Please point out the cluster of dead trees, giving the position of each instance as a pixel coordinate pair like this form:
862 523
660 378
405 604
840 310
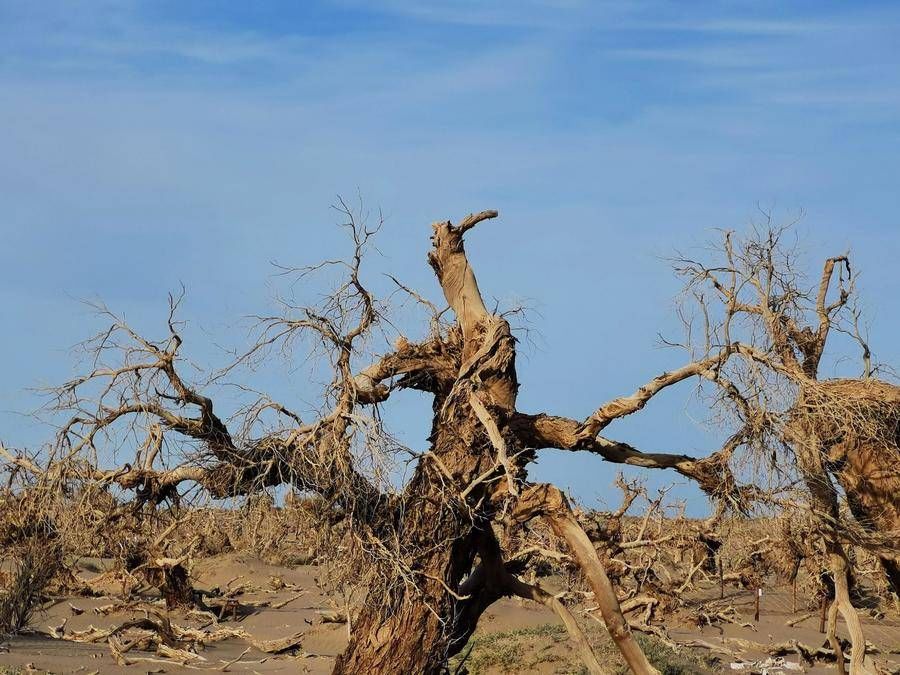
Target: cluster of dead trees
436 552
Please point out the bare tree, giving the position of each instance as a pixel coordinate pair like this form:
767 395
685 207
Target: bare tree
434 553
752 301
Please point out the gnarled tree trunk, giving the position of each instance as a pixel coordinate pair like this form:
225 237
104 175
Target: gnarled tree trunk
413 620
408 624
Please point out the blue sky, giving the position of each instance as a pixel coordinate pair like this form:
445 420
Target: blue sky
146 144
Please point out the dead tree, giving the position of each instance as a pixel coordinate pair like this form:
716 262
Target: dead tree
432 552
752 301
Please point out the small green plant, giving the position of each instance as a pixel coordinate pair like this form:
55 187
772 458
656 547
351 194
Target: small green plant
509 651
525 649
668 661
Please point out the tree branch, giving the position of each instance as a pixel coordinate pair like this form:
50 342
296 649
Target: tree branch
712 473
626 405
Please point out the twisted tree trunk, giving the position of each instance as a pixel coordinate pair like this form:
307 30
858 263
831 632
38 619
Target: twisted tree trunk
414 619
408 625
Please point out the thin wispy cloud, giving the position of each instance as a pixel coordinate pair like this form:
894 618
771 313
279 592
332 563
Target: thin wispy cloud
745 26
502 13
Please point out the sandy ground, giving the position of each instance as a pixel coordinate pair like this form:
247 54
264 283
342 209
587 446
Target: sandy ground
277 602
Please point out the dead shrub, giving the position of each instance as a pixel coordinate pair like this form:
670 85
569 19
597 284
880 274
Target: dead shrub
35 566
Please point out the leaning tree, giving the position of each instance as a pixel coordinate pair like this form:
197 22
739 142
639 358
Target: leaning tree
434 553
835 435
